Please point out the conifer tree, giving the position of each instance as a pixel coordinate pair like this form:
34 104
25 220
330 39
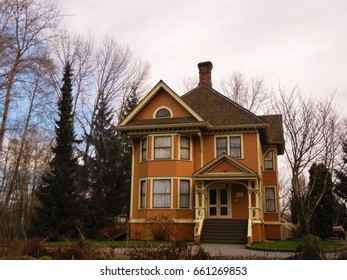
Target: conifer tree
105 190
59 211
341 186
321 186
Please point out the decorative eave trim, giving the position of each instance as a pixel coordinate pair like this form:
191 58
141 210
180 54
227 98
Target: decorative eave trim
231 176
147 129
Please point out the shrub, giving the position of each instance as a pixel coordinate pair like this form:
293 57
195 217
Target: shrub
178 251
308 249
161 227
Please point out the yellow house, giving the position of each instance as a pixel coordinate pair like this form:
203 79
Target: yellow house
207 163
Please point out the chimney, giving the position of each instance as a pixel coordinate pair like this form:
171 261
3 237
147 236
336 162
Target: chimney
205 69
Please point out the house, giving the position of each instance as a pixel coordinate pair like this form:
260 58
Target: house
206 162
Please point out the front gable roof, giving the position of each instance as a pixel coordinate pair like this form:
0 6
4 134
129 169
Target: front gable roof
224 166
161 89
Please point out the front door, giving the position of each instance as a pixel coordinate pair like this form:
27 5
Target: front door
218 203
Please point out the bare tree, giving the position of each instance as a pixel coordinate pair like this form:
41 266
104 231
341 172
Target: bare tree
251 94
26 26
190 83
311 135
116 74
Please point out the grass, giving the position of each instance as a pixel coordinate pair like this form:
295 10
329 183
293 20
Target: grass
115 244
291 244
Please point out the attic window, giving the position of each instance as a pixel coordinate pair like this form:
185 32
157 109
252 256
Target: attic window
163 113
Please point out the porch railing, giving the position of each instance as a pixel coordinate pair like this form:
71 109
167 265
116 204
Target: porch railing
199 223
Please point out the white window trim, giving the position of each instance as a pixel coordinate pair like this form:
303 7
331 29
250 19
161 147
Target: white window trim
152 193
179 194
228 136
190 148
172 146
140 185
141 158
273 160
162 107
275 199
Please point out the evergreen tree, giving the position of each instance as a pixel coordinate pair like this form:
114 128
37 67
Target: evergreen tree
126 148
321 186
105 191
59 211
341 186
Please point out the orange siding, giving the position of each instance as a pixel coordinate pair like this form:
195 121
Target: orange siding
224 167
239 204
250 158
273 231
160 100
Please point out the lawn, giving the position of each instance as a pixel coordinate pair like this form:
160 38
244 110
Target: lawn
290 245
115 244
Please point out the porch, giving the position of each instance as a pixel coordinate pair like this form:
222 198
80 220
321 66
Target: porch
226 210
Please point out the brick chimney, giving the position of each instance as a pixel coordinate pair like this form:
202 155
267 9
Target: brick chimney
205 69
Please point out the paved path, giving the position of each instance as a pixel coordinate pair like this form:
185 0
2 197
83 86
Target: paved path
237 250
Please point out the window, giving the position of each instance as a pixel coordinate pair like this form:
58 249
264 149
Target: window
161 193
235 146
184 193
163 113
231 147
144 149
268 161
185 148
270 199
143 194
222 145
162 147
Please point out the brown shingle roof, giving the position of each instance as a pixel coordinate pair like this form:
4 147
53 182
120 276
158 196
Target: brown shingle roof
217 109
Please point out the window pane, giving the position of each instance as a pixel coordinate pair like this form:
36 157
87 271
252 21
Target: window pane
221 145
185 148
213 196
235 146
223 196
163 113
144 149
270 199
184 194
162 147
213 211
143 194
224 211
161 193
268 161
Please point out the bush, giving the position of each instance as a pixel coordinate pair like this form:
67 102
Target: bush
161 227
308 249
178 251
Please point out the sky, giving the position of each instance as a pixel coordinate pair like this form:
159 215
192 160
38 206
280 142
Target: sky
289 43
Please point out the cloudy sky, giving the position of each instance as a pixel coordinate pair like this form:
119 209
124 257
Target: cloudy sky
297 42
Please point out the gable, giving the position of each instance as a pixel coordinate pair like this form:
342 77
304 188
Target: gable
224 166
161 96
165 100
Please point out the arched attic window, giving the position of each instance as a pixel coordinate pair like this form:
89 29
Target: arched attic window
163 113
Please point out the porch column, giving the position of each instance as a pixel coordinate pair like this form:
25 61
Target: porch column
200 201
